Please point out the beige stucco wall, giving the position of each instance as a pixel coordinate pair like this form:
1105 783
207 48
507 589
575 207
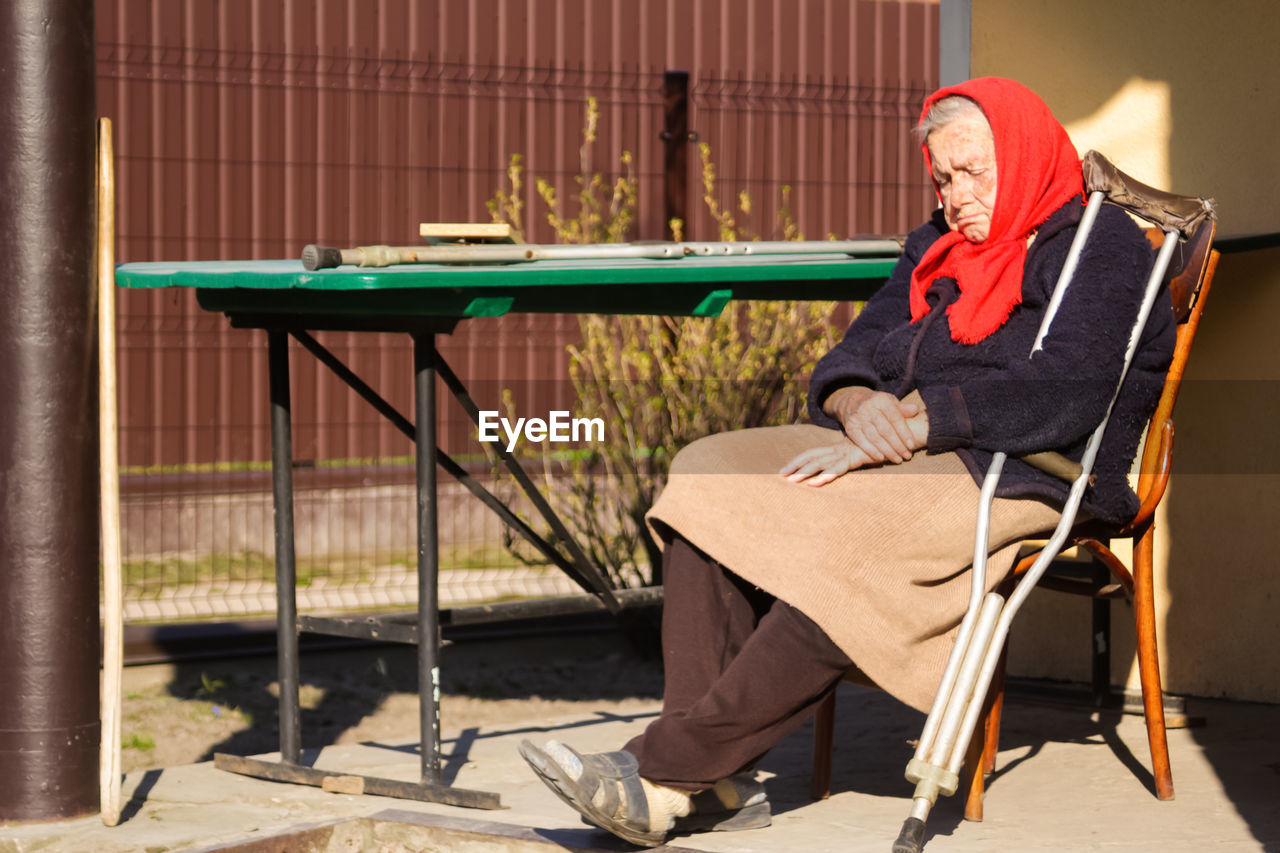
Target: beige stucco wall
1183 95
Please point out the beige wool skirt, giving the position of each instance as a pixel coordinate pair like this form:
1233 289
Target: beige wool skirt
879 558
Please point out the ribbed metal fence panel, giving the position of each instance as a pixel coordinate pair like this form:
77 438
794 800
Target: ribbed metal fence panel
248 128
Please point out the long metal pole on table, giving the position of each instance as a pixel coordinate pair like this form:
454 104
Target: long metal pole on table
424 378
286 567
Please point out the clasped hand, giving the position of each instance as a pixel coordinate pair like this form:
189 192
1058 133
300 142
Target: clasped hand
878 428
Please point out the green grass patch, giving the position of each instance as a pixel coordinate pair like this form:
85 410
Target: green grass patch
150 578
526 455
249 465
142 743
478 557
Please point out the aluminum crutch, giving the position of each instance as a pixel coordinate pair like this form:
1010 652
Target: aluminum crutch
940 753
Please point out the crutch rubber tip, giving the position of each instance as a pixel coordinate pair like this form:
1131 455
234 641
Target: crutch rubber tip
911 839
321 257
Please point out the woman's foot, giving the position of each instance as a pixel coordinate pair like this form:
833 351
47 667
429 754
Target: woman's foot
606 789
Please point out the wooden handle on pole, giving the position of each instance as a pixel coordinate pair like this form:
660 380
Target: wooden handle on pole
112 582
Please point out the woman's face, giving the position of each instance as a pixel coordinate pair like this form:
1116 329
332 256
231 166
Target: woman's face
964 166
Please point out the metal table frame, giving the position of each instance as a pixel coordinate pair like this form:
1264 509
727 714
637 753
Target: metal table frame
423 303
427 365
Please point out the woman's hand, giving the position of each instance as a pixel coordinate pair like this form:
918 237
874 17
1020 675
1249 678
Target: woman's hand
883 427
821 465
878 428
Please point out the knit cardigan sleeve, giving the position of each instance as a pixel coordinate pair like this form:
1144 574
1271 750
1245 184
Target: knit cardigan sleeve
850 361
1055 398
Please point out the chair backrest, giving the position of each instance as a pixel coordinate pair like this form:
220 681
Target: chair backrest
1186 273
1189 277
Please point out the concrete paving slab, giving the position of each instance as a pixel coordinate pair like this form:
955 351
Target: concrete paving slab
1066 780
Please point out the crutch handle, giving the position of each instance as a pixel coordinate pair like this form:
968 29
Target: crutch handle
1182 213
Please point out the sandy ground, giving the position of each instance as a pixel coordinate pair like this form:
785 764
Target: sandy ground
183 713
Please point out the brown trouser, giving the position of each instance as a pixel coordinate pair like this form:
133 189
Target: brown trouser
743 670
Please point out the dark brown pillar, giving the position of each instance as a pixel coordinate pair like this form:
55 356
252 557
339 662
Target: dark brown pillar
48 413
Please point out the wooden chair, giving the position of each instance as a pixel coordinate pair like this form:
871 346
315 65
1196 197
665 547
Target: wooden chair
1189 279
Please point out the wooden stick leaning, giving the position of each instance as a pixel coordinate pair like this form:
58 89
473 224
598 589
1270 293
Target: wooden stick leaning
112 583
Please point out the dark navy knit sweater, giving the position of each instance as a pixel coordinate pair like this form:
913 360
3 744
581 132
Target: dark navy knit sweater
990 395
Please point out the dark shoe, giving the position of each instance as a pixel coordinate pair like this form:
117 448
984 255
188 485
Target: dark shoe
603 787
734 804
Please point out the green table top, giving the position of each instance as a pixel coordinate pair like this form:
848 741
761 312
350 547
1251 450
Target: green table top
697 286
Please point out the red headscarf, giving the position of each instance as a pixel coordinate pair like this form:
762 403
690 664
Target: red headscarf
1037 171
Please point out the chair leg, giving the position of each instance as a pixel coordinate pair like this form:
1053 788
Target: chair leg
995 695
824 721
1100 641
1149 661
980 760
973 762
993 714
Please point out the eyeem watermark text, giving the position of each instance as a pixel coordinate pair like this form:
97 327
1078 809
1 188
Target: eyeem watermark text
557 427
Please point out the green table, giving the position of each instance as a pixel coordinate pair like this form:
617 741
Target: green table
422 300
350 297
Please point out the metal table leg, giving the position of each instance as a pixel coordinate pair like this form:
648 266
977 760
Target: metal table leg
424 386
286 568
431 788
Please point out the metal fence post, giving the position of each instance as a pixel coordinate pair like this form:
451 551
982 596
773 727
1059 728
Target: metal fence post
675 160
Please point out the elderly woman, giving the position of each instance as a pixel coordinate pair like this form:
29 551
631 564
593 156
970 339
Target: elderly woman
795 553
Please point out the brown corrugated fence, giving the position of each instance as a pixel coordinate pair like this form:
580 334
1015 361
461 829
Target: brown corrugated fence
248 128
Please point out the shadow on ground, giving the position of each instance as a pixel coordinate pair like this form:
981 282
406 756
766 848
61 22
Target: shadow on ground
875 737
341 689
